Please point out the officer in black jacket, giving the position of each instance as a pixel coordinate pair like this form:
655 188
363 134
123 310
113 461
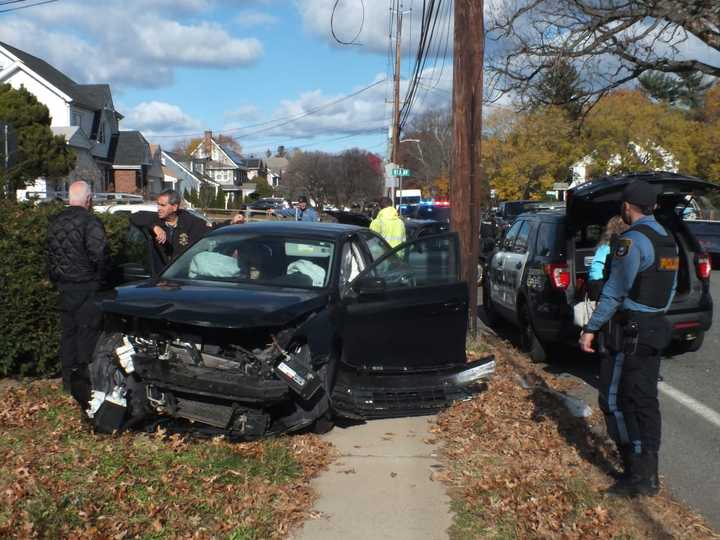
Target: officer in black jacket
174 229
77 261
631 314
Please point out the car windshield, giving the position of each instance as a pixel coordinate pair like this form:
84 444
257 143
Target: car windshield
438 213
252 258
516 208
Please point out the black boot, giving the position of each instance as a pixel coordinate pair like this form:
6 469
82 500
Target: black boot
643 480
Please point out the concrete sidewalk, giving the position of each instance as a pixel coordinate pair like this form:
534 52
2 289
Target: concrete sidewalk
381 486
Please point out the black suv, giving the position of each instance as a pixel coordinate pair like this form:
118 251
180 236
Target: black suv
538 269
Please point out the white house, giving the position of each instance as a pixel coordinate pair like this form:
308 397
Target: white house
83 113
276 168
107 158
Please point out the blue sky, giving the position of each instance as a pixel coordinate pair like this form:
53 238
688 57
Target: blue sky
178 67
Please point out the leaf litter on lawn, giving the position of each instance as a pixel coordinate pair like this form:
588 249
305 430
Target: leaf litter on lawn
58 480
519 465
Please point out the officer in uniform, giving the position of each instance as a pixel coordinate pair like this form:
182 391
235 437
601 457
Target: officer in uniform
631 314
174 229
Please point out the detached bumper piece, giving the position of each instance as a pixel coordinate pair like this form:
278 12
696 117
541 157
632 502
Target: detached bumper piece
383 396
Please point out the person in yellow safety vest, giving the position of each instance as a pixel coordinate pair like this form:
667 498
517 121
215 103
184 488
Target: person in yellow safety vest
388 224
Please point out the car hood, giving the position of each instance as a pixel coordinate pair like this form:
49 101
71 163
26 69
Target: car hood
212 306
598 200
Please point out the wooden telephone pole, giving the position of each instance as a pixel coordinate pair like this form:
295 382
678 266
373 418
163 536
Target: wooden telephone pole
394 156
466 189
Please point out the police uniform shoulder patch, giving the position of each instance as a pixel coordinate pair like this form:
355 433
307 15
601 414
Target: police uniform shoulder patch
184 239
622 247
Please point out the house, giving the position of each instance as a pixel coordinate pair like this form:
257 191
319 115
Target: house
276 168
178 174
220 163
649 154
134 166
107 158
255 167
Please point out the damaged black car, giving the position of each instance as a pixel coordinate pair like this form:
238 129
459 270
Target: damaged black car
267 328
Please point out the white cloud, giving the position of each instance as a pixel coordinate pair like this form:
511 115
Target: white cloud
374 36
157 118
315 113
135 43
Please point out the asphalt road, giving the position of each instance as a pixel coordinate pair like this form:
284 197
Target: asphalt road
690 405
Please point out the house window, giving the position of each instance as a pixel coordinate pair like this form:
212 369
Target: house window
76 119
101 134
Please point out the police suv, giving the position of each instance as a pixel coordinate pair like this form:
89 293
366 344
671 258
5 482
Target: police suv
538 270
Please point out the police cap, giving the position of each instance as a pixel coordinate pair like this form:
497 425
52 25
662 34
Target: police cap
640 193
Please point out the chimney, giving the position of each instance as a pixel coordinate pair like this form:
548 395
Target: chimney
208 143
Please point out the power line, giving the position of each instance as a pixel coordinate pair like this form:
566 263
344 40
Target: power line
353 41
278 122
17 8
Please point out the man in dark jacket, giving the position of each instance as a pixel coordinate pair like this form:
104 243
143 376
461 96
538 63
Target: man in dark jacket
77 260
174 229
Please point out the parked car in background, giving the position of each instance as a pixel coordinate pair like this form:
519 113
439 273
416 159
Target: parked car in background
435 212
270 327
268 203
539 269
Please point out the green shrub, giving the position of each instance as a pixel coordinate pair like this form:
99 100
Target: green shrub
29 317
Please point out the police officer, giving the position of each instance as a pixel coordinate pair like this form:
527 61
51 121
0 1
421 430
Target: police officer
631 313
388 224
78 261
174 229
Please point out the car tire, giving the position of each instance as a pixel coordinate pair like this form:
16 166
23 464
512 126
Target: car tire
529 342
693 345
105 374
324 424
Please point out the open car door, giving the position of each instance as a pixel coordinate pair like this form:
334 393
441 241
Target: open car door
408 310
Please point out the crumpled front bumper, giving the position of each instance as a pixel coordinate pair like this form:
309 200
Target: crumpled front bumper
366 396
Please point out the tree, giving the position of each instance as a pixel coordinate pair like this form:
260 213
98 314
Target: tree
523 160
310 174
262 187
431 154
560 85
39 152
281 152
610 42
686 90
355 178
660 87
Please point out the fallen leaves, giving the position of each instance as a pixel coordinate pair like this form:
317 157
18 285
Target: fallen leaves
519 465
59 480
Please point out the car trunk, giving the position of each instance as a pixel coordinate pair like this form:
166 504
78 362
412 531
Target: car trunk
591 205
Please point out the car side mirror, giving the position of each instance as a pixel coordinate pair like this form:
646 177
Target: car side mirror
369 286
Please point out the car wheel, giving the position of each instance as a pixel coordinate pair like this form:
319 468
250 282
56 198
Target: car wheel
529 342
128 403
692 345
324 424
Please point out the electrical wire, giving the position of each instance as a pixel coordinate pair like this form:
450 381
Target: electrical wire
17 8
353 41
279 122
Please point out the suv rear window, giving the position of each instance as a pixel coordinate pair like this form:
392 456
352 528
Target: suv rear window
550 240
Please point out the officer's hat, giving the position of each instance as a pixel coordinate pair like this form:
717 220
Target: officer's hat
640 193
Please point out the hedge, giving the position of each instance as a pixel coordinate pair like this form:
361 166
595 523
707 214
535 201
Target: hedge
29 316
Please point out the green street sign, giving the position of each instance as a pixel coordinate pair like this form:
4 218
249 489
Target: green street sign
401 172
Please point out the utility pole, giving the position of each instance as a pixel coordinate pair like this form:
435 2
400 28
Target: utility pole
466 189
395 137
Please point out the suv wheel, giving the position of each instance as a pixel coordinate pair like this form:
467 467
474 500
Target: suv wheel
529 342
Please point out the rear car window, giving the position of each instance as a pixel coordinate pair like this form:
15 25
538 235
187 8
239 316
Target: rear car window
521 242
550 240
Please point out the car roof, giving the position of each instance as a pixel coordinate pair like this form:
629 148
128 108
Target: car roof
329 231
544 215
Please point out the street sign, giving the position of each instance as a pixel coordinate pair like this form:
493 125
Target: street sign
401 172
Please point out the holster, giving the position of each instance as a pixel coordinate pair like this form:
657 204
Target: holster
628 329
